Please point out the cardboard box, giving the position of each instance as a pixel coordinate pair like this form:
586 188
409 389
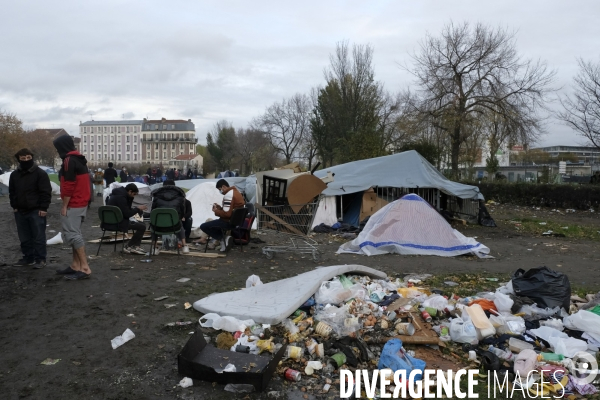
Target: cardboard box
370 204
198 360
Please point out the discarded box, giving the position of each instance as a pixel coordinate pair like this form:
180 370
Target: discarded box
197 360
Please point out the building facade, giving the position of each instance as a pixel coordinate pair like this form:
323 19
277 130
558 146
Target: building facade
163 140
111 141
586 155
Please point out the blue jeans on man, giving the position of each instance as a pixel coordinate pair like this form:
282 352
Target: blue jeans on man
213 228
32 235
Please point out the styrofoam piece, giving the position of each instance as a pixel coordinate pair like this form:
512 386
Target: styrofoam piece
272 302
55 240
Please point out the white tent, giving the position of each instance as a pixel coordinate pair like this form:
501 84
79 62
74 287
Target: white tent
143 198
411 226
4 180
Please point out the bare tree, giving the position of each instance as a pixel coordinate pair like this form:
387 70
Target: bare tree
11 138
468 71
222 145
286 124
250 143
582 109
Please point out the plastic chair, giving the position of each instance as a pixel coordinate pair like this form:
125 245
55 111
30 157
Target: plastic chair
235 222
163 221
241 235
110 218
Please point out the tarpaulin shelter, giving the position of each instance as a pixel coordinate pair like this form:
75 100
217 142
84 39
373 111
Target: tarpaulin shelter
411 226
365 186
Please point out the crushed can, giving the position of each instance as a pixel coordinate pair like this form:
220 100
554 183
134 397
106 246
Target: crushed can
426 317
292 375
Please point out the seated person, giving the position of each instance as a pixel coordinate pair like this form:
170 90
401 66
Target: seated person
122 197
232 199
170 196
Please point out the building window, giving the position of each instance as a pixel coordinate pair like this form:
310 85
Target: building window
181 147
127 157
127 138
112 149
173 126
164 155
84 139
172 154
135 157
111 129
173 145
127 129
164 146
105 148
106 157
156 154
119 157
119 148
84 148
135 147
127 148
92 157
155 126
91 147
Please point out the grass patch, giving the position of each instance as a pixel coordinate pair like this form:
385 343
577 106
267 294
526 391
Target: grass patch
54 178
531 225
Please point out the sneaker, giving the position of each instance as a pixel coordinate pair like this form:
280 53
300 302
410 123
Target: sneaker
127 250
156 251
226 244
23 262
135 250
185 249
39 264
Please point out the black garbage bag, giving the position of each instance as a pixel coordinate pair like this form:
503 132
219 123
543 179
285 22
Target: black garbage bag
484 218
546 287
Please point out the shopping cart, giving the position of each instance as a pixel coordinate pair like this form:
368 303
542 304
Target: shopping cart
293 220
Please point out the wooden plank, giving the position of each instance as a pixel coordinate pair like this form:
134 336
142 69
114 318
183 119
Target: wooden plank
194 254
276 218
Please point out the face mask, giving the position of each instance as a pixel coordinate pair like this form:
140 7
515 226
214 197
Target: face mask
25 165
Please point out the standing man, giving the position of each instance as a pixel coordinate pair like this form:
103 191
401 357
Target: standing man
99 182
30 193
75 195
110 174
122 197
124 175
232 199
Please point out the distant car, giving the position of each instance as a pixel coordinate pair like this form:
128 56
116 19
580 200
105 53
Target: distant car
48 170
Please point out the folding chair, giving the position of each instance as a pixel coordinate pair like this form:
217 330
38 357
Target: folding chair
110 218
241 234
163 221
235 222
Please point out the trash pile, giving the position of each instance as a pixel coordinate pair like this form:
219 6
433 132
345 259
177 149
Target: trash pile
530 328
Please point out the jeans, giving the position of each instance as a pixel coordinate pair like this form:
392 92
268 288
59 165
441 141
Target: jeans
139 228
213 228
32 234
187 227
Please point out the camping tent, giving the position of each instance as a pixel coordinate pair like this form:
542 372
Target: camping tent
143 197
411 226
407 170
4 179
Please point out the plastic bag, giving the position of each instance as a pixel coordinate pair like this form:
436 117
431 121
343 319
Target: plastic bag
546 287
342 322
508 324
253 280
506 289
210 319
463 331
333 292
231 324
584 321
540 312
436 301
568 347
394 357
503 302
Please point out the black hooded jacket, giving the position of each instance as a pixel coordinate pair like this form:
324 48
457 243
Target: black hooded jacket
29 189
169 197
121 199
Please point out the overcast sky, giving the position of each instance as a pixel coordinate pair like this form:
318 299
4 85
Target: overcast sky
64 60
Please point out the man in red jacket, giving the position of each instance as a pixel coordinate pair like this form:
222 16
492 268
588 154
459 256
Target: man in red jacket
76 195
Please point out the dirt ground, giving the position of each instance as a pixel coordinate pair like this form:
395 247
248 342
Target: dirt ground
45 316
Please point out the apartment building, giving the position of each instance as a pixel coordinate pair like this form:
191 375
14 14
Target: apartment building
164 139
111 141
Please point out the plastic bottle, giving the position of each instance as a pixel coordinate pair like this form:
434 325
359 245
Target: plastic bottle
516 345
550 357
505 355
